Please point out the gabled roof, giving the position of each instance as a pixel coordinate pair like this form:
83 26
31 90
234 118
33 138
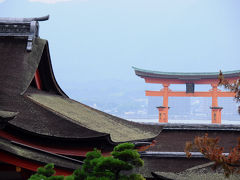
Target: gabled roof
184 76
120 130
49 112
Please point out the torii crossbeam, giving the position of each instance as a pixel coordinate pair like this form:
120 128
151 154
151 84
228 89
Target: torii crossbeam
190 79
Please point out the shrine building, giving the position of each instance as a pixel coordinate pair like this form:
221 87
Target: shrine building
39 123
190 79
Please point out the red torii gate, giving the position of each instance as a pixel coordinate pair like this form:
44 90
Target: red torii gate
190 79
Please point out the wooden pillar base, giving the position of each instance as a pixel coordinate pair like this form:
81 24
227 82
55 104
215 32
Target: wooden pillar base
216 115
163 114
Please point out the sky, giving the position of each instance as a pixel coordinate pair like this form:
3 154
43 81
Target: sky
98 40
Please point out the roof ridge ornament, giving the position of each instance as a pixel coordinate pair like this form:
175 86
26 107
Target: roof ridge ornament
21 27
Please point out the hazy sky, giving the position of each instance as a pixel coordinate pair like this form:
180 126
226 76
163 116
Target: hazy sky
103 39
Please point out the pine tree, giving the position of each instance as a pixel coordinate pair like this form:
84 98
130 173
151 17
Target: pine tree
97 167
124 158
46 173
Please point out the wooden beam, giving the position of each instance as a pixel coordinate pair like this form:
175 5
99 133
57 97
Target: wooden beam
226 94
184 94
38 80
184 81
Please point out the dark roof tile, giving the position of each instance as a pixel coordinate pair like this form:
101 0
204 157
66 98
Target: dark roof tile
50 112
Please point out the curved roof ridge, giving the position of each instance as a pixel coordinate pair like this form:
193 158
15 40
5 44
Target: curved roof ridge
119 130
185 73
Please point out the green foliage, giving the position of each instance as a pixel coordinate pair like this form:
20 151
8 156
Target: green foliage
128 154
124 158
137 177
97 178
97 167
71 177
46 170
123 146
37 177
56 178
46 173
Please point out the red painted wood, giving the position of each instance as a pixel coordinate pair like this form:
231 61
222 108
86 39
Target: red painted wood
178 81
38 80
27 164
80 151
184 94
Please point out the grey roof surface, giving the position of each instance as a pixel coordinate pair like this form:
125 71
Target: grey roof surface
49 112
200 172
201 175
120 130
37 155
184 75
7 114
35 119
203 127
17 65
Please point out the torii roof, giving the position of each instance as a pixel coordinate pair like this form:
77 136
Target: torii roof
184 75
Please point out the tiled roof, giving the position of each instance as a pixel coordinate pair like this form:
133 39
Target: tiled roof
120 130
50 112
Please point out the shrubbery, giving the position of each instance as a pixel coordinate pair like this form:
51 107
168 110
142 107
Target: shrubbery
97 167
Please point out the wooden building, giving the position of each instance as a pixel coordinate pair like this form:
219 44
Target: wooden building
39 123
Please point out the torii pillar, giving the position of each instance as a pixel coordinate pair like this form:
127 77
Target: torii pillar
216 110
163 110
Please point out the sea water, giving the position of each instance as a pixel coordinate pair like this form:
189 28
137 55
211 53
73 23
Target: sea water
185 121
